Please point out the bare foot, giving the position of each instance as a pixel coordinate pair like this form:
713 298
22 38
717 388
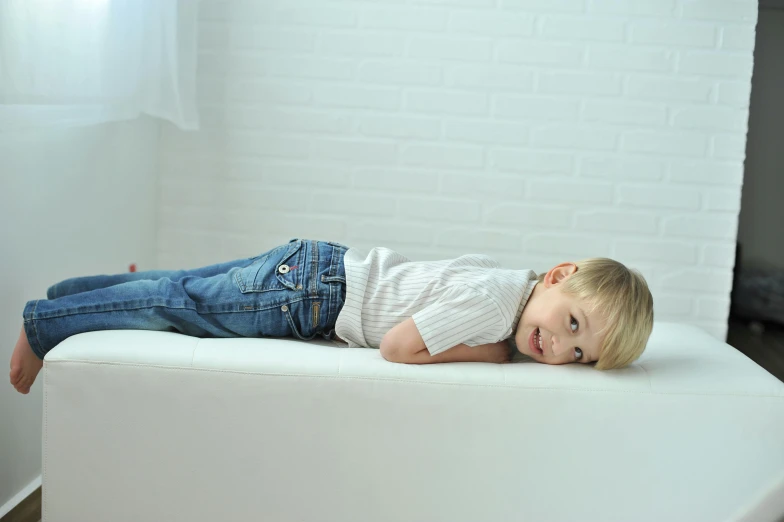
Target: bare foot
25 365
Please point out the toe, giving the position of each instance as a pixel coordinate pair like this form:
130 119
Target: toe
15 374
24 386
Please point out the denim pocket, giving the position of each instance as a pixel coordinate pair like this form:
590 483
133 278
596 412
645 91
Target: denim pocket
281 268
298 324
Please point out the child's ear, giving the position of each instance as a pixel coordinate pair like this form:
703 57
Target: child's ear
559 273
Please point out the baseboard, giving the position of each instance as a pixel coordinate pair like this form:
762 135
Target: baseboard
25 506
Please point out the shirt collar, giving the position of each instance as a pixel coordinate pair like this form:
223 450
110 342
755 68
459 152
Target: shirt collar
529 288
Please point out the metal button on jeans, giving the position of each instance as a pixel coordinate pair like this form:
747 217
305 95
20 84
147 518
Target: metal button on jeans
284 308
283 269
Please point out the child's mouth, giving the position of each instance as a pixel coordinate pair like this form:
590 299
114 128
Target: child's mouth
535 342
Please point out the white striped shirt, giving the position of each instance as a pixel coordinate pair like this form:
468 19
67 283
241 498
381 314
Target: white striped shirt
469 300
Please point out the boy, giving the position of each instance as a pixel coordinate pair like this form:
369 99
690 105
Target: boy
464 309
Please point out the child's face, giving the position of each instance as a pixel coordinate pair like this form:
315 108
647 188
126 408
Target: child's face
554 327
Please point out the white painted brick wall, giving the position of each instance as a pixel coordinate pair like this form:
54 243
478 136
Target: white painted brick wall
534 131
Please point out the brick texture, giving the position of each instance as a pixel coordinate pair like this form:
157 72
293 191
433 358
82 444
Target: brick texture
535 131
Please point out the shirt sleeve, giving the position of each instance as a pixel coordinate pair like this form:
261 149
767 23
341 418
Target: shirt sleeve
459 316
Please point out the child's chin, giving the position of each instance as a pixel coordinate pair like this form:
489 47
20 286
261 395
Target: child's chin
527 353
523 357
530 353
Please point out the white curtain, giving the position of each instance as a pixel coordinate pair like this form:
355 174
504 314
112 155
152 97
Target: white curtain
66 63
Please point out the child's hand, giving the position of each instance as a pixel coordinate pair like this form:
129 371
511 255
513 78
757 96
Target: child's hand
404 344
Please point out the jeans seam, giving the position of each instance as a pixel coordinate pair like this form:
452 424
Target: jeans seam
314 266
326 279
125 309
293 327
36 345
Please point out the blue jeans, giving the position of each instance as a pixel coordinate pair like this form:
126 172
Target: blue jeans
294 290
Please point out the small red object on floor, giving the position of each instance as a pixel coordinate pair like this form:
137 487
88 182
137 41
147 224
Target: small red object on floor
132 268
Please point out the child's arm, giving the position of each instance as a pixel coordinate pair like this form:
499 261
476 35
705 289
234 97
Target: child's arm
404 344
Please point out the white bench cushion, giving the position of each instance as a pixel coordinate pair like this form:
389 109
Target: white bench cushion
158 426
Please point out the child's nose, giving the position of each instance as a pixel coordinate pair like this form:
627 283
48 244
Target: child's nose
558 348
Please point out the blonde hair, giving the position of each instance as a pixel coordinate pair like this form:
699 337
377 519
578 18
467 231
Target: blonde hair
622 297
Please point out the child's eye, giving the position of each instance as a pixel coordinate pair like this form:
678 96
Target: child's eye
575 325
578 354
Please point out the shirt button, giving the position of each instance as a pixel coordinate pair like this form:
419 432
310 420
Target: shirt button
283 269
299 287
284 308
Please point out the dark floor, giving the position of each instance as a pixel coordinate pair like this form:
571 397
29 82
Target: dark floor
763 344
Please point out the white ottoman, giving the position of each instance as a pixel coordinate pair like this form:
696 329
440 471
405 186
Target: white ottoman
146 426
